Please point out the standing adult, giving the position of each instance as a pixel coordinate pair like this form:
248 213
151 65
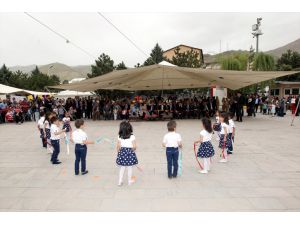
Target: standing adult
239 100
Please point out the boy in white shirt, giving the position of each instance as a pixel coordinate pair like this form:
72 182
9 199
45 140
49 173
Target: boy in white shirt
231 133
55 137
41 129
171 142
79 137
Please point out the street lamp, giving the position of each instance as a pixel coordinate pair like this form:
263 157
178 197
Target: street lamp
257 31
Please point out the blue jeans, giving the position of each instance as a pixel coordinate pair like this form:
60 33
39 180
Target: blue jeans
80 153
172 159
56 150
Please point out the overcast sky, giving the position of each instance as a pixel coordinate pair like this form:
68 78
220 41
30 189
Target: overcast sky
23 41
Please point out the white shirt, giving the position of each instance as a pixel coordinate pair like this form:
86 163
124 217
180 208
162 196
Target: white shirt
41 122
231 126
172 139
217 119
46 125
54 129
66 119
223 127
79 136
127 143
206 136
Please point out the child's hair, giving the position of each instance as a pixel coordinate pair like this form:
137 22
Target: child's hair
207 124
171 125
79 123
224 115
47 117
53 119
217 113
42 114
231 115
125 130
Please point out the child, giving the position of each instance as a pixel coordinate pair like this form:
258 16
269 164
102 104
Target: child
81 141
231 133
206 150
126 147
41 129
67 126
224 142
217 125
273 108
47 132
171 142
55 137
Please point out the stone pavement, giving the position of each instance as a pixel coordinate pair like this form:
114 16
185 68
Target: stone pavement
262 175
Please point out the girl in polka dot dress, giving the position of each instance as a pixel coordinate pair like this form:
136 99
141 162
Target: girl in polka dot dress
67 126
206 150
126 147
225 141
47 133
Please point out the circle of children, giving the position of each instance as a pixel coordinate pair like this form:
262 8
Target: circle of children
51 133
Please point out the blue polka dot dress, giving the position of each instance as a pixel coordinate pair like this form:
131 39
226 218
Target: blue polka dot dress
66 125
206 150
126 156
228 143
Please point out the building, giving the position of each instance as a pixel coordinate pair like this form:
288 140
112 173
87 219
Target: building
183 48
285 88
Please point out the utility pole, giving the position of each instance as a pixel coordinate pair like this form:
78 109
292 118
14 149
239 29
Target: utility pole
257 31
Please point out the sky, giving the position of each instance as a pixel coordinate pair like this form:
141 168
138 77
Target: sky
23 41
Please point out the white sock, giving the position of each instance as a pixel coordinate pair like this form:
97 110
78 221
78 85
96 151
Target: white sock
121 174
225 153
129 169
208 163
205 164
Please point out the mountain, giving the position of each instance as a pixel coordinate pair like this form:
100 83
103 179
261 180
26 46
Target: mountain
64 72
211 59
294 46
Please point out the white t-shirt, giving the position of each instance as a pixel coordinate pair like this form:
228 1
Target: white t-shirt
231 125
41 122
205 135
223 127
127 143
79 136
46 125
66 119
217 119
54 129
172 139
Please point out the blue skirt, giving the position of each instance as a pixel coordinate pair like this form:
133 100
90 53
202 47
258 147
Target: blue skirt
126 157
206 150
67 126
231 141
48 133
228 143
217 127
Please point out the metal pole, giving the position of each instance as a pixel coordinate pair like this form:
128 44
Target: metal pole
257 43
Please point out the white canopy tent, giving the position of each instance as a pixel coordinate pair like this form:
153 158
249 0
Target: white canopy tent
5 90
69 93
165 76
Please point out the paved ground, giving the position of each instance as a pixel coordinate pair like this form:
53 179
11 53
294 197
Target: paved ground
262 175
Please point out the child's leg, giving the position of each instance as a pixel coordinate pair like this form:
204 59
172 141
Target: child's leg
121 174
175 162
83 159
169 162
68 142
129 169
205 164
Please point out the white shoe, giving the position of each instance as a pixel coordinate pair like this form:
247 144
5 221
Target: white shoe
130 182
203 171
223 161
120 184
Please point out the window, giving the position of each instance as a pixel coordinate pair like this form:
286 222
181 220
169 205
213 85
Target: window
295 91
287 91
274 91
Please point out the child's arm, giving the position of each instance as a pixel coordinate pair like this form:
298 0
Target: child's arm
233 131
134 145
118 145
60 132
88 142
200 140
180 144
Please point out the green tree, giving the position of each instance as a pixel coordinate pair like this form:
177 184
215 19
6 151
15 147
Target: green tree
289 61
5 75
237 61
104 64
156 56
189 58
121 66
263 62
19 79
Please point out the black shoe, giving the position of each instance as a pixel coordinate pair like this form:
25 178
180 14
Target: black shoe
85 172
174 176
229 152
57 162
76 174
170 177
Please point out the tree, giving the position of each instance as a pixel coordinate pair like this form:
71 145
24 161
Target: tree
19 79
189 58
5 75
104 65
289 61
121 66
237 61
156 56
263 62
